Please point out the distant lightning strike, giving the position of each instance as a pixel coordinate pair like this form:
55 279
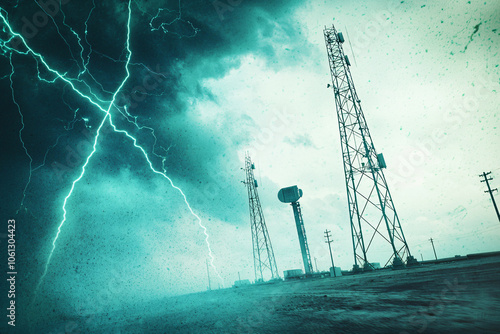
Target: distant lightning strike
165 26
175 187
59 32
20 131
31 169
107 117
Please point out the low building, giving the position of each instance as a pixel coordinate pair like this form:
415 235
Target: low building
293 274
338 272
241 283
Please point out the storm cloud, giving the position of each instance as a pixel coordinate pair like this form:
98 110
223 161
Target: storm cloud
208 81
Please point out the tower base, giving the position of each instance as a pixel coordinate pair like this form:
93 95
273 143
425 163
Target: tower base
411 261
368 267
397 263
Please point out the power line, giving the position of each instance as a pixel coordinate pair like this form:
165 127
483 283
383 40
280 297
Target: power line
352 51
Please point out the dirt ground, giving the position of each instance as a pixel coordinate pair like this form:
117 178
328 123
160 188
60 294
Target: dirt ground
456 297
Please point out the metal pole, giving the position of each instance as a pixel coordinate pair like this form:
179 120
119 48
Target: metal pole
432 242
328 241
316 263
490 191
301 231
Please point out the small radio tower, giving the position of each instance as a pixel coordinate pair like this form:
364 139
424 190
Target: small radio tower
263 255
369 200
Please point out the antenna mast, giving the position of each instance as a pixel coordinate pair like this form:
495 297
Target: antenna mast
263 254
369 200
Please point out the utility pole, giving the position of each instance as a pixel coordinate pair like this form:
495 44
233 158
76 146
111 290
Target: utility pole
328 241
486 179
239 278
316 263
432 242
422 257
208 275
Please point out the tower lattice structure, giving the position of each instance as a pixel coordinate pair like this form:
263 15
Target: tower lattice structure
371 209
263 254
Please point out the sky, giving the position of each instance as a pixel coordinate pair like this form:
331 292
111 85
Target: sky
207 81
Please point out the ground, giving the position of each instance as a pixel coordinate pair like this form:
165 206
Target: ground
454 297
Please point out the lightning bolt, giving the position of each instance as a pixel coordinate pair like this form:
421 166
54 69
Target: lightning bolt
20 132
157 22
93 99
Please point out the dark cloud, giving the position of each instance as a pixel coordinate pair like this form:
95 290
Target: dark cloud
119 195
153 97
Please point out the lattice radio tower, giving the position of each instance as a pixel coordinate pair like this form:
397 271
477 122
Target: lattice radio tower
369 200
263 255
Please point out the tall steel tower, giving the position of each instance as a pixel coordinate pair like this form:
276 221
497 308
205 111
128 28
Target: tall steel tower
369 200
263 255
